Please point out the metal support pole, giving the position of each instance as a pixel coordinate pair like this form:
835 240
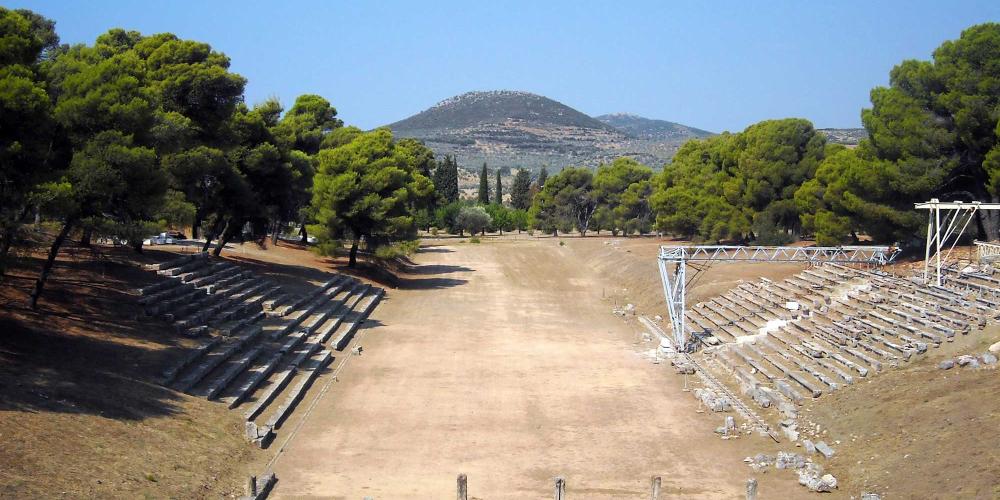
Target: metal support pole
937 241
927 249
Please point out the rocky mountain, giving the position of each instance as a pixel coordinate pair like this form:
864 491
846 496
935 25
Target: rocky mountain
509 129
646 128
846 136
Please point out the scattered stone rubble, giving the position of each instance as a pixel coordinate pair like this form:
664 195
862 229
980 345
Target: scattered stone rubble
987 359
626 310
712 400
810 474
682 367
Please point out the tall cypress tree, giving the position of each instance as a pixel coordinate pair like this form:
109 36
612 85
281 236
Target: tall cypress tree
446 180
484 186
453 181
498 199
542 177
520 191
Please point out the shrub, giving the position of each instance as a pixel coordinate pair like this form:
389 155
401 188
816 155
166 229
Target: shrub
396 250
474 239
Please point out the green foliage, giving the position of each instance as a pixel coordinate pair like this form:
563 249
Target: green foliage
397 250
365 190
446 180
499 192
176 211
566 201
444 216
543 175
932 133
520 191
520 220
484 186
474 239
305 126
724 187
27 130
501 218
622 191
472 219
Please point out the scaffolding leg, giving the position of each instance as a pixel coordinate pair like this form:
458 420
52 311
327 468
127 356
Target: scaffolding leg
672 274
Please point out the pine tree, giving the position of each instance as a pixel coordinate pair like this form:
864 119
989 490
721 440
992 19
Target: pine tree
484 186
520 193
498 199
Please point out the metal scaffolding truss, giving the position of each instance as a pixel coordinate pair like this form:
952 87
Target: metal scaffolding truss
673 268
957 216
851 254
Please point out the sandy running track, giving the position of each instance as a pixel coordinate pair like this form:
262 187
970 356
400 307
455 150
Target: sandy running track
501 361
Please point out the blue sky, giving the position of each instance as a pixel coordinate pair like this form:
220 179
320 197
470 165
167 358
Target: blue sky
713 65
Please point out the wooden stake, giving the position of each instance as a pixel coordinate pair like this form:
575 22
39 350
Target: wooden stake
463 487
560 488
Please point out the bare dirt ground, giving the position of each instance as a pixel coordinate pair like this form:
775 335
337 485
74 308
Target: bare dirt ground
502 361
81 414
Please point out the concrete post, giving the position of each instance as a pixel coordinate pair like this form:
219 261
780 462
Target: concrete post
463 487
751 489
656 488
560 488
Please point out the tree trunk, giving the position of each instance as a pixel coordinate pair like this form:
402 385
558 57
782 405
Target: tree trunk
49 262
196 226
8 239
274 235
210 235
991 221
223 238
352 261
88 233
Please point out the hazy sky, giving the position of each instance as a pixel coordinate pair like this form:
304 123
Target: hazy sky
713 65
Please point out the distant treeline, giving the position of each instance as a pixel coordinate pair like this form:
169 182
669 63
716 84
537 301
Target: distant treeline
932 133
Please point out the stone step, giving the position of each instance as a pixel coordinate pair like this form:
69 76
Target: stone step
202 271
309 297
171 373
225 271
359 317
280 381
184 268
176 262
213 359
232 370
241 276
309 371
255 377
166 293
318 301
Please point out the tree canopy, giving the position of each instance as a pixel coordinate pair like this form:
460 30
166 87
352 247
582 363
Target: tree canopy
363 191
933 132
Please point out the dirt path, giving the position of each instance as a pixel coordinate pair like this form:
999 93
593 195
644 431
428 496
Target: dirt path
501 361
